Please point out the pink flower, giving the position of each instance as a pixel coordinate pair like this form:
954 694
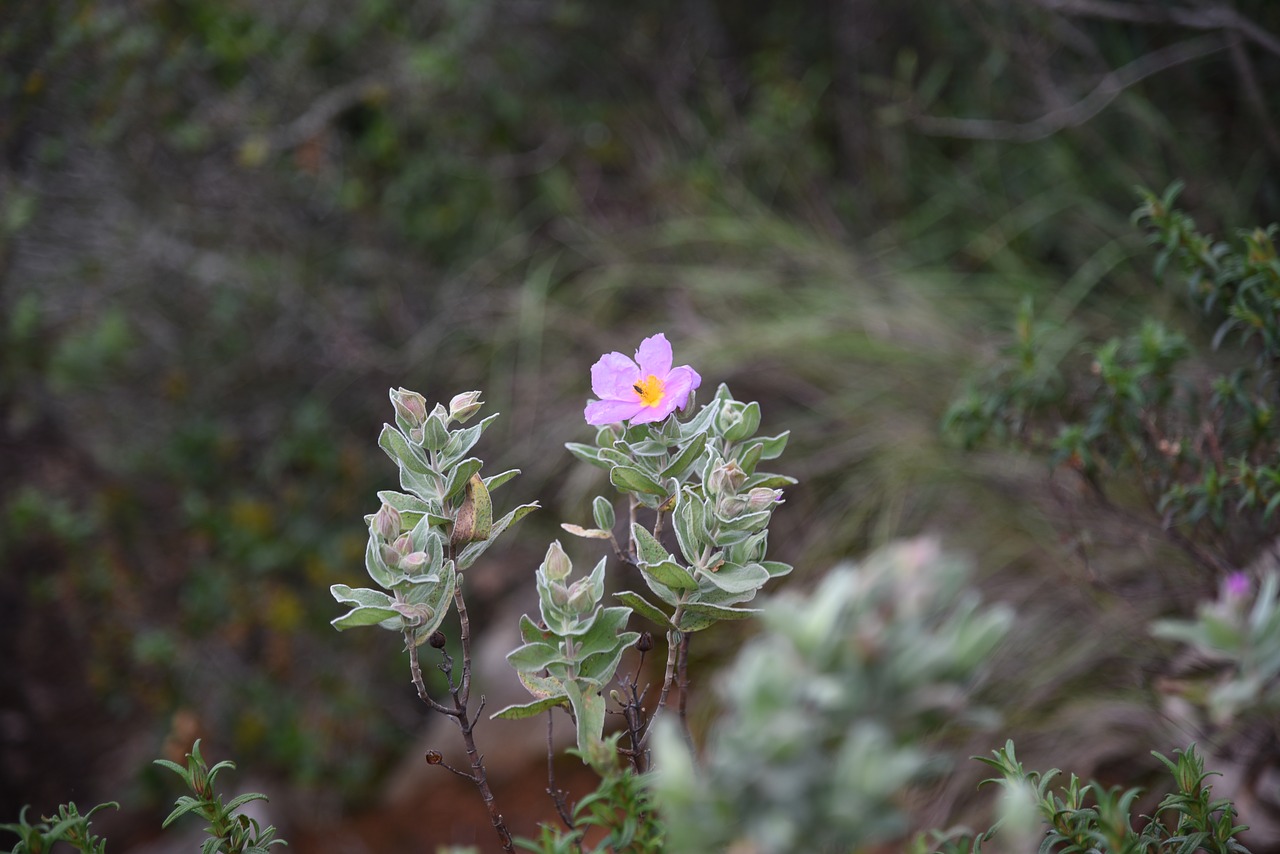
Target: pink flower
640 393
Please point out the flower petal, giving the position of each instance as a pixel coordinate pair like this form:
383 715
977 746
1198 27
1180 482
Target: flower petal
649 414
654 356
601 412
613 376
680 382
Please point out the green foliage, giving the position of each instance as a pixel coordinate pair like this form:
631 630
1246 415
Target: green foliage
68 827
1202 451
620 814
1082 818
703 472
826 712
229 831
1243 642
413 537
572 654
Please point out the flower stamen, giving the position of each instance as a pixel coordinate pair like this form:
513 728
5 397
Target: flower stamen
651 390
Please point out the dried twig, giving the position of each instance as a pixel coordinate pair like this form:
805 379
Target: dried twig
1107 90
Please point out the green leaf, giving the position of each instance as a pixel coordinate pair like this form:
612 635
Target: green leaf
533 657
461 441
642 607
588 711
184 805
631 479
702 421
773 446
469 554
529 710
587 454
241 800
747 426
372 607
364 617
750 458
769 481
649 549
670 574
687 457
398 448
460 475
492 483
698 616
602 511
732 578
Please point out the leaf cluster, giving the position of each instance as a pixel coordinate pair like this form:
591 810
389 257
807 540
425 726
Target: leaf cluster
1085 818
621 808
1202 450
573 653
704 472
827 709
230 832
420 539
68 826
1244 642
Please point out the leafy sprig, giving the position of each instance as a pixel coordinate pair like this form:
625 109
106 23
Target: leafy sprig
229 831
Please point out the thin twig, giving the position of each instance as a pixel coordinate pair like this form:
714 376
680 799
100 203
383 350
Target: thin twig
1107 90
1209 17
556 793
682 667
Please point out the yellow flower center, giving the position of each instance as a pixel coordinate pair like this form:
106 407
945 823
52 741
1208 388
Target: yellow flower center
651 390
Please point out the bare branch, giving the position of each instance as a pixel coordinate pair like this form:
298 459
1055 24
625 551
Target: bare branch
1208 17
1081 111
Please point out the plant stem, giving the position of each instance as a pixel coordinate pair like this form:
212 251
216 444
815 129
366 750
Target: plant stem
682 668
674 641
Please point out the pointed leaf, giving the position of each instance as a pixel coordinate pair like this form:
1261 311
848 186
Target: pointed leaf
529 710
686 458
642 607
631 479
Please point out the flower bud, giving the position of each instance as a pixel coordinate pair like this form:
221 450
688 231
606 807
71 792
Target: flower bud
403 544
559 594
413 561
725 479
433 757
645 643
437 639
556 565
730 506
464 405
763 498
410 406
387 522
580 599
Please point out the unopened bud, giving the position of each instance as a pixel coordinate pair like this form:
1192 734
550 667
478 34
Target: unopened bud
556 565
437 639
559 594
433 757
403 544
413 561
387 522
580 599
410 406
763 498
730 506
725 479
645 643
464 405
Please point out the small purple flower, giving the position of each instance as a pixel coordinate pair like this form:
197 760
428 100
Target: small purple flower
643 391
1237 586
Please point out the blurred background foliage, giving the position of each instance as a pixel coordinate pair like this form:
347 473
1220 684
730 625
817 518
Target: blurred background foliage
226 228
